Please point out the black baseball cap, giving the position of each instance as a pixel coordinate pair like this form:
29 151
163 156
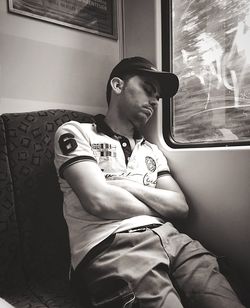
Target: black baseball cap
169 82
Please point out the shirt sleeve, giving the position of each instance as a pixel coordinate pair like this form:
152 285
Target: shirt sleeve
72 145
161 162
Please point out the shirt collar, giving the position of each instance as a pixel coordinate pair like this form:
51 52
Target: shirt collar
102 127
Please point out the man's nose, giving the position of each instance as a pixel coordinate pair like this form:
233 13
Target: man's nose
154 102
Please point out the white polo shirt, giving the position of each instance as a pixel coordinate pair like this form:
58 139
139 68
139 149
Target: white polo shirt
75 142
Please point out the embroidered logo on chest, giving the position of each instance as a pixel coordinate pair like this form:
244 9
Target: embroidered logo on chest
150 163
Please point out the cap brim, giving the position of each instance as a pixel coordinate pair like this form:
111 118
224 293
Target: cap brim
169 82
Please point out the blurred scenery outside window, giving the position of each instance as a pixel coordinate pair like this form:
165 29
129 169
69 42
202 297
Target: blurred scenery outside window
211 56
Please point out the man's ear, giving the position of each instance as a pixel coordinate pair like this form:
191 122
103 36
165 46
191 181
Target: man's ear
117 84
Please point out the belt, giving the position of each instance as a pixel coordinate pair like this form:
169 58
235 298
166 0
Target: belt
140 229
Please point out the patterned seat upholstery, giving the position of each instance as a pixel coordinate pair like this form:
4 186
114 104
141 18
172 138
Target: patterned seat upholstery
10 266
34 248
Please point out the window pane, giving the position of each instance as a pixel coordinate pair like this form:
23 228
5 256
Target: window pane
211 56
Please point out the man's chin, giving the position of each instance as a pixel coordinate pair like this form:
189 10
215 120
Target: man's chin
141 121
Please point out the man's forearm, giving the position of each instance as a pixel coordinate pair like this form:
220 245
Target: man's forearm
118 203
101 199
168 204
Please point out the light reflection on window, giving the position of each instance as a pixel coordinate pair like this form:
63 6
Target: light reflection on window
211 56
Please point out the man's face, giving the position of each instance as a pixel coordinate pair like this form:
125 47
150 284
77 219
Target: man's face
140 98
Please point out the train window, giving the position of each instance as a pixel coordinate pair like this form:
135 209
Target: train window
210 52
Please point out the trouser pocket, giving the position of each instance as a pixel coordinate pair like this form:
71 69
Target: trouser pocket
112 292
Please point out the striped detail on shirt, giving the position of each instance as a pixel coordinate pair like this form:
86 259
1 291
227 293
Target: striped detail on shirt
163 172
73 161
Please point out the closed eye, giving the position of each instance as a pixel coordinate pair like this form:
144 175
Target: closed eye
151 90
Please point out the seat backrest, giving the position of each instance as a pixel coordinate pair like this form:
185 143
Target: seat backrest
10 267
38 199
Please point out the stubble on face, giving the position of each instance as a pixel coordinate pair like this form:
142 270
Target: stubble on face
137 105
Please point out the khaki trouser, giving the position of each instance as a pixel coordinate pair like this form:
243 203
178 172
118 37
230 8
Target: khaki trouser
159 267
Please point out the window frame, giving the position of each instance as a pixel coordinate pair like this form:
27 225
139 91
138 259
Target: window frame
167 114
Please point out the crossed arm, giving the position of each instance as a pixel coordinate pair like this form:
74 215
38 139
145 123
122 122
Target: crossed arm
122 198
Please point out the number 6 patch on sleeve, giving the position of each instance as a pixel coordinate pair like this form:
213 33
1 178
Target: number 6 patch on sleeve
67 143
